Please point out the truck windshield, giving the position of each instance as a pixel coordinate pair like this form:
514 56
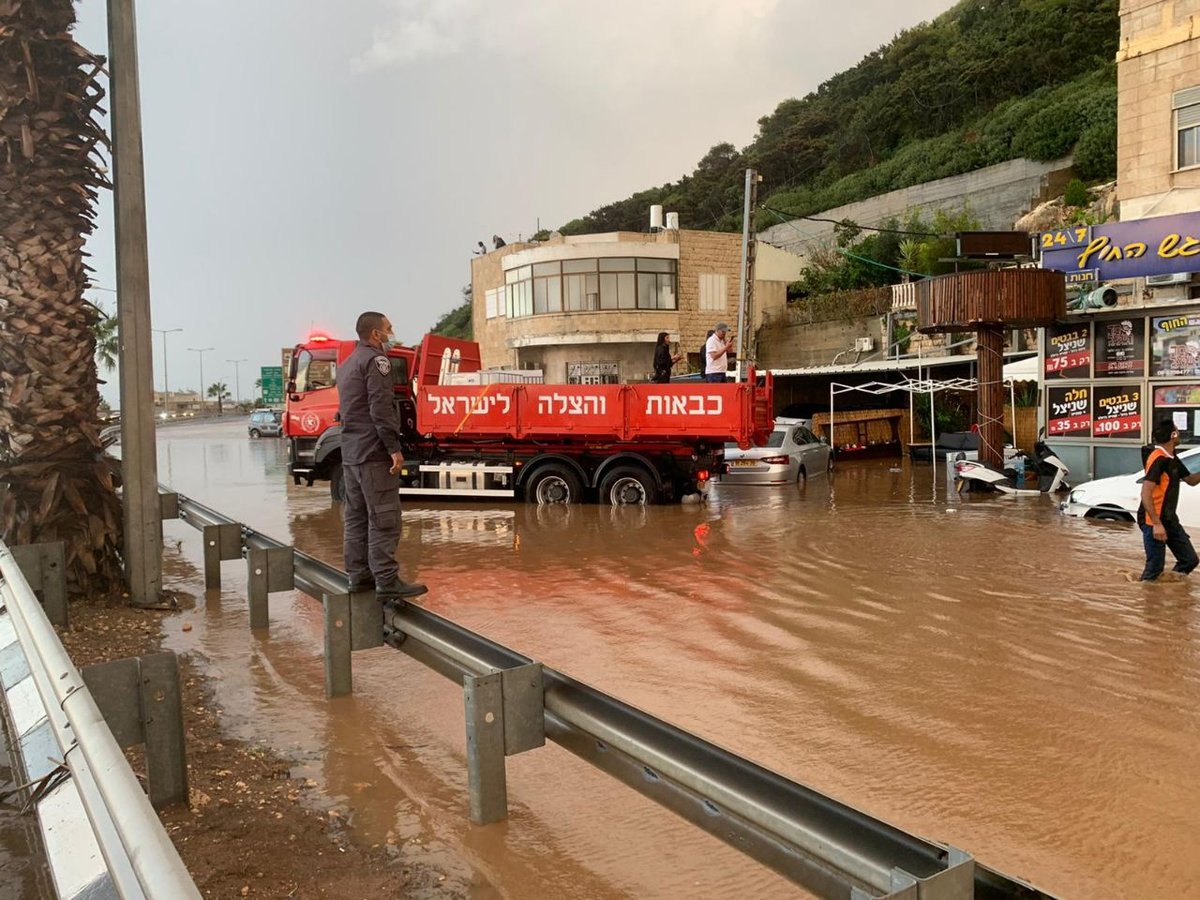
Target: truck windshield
316 369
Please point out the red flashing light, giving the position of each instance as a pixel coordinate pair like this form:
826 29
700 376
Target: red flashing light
702 476
318 338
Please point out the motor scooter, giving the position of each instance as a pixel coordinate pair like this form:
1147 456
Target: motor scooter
1052 472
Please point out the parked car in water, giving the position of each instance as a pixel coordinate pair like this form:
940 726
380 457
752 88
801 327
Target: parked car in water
792 454
1117 498
266 423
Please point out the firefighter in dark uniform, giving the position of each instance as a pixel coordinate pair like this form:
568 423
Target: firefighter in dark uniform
371 460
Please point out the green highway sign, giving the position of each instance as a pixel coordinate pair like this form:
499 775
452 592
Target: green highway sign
272 385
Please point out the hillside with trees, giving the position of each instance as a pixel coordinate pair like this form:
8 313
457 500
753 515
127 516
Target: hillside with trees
985 82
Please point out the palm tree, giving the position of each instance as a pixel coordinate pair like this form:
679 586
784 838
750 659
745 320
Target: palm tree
220 390
108 344
55 482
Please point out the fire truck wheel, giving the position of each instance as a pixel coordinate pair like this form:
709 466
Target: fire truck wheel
337 484
626 486
553 483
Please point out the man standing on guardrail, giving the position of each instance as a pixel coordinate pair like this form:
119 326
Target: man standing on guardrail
371 460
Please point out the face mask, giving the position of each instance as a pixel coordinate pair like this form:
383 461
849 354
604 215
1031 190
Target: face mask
387 342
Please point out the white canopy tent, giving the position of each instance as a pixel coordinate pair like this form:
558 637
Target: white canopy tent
914 386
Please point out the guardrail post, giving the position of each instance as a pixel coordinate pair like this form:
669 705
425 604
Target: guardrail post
955 882
505 712
221 542
338 681
45 568
366 621
484 699
168 505
142 703
268 570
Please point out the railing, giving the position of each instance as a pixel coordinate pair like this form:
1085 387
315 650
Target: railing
138 857
513 703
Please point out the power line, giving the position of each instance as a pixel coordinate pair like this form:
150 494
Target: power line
786 216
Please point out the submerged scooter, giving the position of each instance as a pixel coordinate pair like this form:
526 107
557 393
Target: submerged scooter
1052 472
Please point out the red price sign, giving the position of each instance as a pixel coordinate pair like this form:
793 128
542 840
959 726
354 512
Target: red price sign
1118 413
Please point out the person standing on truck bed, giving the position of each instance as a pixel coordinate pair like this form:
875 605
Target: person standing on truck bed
716 354
663 360
371 460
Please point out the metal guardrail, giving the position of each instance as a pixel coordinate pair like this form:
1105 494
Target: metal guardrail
826 846
137 853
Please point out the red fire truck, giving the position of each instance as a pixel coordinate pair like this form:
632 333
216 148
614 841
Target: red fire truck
619 444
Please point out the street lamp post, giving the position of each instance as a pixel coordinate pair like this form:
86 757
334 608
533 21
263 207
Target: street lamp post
166 384
237 380
201 351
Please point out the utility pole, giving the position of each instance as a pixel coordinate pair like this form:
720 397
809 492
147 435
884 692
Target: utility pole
745 354
139 454
237 380
201 351
166 384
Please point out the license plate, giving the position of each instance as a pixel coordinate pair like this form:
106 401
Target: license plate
738 463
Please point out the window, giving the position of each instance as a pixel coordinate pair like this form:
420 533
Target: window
588 285
714 292
593 373
494 302
316 369
1187 127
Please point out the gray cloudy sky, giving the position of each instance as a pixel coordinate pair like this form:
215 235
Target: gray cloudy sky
305 161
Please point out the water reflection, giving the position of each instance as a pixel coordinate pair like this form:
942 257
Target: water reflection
976 670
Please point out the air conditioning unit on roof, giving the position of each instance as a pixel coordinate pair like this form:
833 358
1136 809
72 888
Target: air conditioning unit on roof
1173 278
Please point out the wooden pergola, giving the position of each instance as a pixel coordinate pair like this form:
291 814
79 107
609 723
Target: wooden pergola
988 303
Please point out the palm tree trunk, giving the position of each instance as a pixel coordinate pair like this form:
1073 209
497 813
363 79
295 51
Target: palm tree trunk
55 482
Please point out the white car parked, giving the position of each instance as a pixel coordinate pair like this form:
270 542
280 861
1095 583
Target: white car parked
1117 498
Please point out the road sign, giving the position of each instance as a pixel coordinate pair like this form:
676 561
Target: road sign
272 385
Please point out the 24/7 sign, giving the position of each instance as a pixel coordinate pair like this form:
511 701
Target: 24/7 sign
1161 245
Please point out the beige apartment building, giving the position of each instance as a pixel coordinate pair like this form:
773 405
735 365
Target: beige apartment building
587 309
1158 108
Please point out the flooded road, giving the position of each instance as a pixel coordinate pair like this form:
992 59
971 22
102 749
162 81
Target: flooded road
979 672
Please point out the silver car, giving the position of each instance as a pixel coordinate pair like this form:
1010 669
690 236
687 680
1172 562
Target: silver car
791 455
265 423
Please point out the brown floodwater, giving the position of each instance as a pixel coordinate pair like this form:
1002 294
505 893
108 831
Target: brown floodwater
978 671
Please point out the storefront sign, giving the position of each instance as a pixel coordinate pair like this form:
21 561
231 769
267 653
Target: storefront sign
1070 411
1157 246
1175 345
1120 348
1069 351
1118 412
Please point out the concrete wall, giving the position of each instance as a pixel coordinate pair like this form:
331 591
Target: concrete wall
1159 55
997 196
788 346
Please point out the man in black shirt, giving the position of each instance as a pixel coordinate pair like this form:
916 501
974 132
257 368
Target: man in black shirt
1160 494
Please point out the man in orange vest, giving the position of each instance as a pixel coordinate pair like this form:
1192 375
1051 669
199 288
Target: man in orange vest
1160 493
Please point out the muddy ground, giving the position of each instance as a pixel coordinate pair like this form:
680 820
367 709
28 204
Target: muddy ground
251 829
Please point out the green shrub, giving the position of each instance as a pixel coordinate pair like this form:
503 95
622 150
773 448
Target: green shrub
1076 194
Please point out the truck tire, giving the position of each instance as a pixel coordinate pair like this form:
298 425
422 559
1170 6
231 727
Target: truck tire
627 486
553 483
337 483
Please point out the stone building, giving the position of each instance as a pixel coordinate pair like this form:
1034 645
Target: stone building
1158 108
587 309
